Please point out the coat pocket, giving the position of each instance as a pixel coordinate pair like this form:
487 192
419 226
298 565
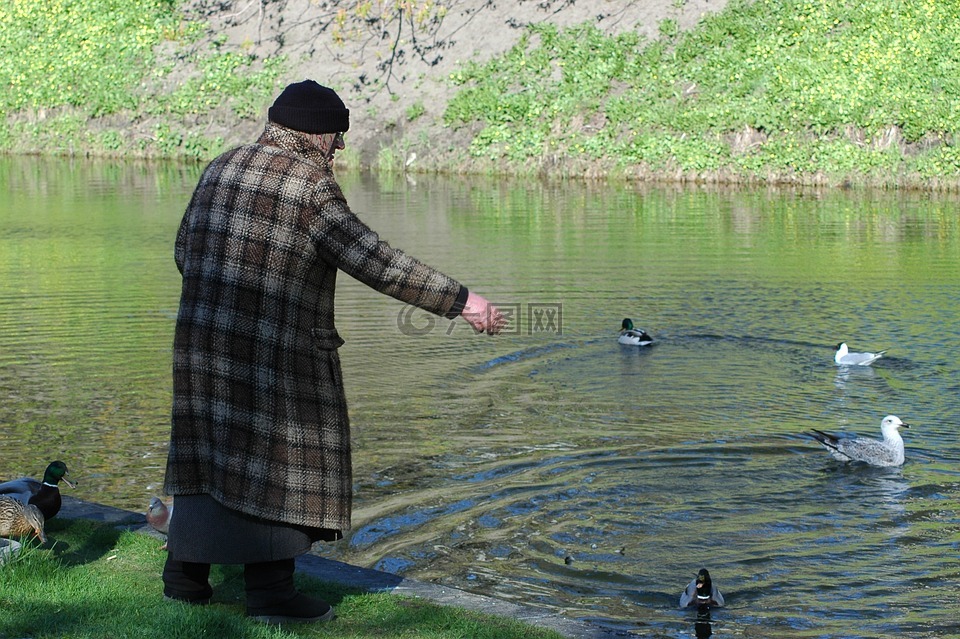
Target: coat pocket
327 339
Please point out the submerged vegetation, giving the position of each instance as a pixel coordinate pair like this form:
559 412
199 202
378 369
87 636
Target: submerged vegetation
764 90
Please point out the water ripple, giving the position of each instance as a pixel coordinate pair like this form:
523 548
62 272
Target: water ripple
557 468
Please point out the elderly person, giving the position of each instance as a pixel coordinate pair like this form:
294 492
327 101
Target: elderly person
259 458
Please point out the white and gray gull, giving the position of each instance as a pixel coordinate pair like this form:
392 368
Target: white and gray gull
844 357
850 448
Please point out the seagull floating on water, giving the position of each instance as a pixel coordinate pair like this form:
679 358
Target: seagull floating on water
844 357
888 452
632 336
701 592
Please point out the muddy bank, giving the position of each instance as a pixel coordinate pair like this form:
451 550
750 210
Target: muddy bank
394 73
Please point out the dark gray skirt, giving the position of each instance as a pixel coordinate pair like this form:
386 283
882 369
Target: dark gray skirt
202 530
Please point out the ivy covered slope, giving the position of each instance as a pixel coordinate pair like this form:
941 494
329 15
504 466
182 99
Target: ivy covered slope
120 77
799 91
772 90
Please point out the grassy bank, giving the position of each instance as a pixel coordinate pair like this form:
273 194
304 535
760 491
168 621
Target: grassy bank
92 581
773 90
796 91
102 77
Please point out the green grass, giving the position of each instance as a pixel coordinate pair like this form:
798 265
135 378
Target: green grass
821 86
73 72
92 581
767 90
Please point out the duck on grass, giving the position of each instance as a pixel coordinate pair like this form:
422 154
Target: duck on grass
45 494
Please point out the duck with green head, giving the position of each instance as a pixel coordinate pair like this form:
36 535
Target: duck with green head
20 520
633 336
45 494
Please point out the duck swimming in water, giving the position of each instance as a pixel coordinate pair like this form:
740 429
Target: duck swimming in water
701 592
632 336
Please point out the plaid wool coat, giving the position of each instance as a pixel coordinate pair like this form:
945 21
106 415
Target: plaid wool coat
259 413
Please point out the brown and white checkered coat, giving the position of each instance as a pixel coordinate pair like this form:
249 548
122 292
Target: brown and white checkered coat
259 413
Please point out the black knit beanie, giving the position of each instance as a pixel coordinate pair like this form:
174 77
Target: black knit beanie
306 106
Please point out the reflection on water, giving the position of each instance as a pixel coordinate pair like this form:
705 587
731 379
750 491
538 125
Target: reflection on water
553 466
703 627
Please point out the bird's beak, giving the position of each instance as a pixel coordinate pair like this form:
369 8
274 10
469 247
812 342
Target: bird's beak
904 426
38 533
68 482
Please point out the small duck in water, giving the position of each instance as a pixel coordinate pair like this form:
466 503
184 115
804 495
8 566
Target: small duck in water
632 336
701 592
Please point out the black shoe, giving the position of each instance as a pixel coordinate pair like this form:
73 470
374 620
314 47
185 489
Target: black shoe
187 582
300 609
169 595
271 596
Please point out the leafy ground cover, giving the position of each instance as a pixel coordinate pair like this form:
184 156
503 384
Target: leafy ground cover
764 88
803 91
77 73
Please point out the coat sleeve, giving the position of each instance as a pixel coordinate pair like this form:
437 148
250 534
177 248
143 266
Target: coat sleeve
345 242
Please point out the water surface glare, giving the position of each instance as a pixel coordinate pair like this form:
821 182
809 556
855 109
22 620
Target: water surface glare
550 465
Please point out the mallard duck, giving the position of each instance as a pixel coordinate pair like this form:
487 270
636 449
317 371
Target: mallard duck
633 336
701 592
888 452
20 520
844 357
44 495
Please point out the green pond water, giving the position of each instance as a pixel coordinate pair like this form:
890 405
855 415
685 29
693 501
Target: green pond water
550 465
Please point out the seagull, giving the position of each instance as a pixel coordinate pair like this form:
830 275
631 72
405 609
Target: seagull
888 452
845 358
701 592
633 336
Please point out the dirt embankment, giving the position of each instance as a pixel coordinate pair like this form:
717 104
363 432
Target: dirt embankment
392 69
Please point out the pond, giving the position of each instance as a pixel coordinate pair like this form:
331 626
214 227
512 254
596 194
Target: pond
551 465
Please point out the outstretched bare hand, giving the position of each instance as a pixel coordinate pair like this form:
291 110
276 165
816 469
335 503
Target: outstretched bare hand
482 315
